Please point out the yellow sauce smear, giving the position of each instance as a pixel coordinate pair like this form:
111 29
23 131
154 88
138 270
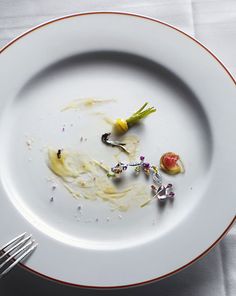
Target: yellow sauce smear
81 103
86 178
132 145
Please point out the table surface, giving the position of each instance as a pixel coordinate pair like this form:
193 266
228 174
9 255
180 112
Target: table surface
213 22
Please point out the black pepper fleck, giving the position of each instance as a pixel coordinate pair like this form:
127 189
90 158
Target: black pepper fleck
59 153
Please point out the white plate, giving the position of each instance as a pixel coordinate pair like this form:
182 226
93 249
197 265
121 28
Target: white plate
131 59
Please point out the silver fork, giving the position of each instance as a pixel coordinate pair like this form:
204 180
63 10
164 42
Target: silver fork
15 251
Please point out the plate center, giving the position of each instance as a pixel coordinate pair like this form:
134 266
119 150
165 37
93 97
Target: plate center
34 121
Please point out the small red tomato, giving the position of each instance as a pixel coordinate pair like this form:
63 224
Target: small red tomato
169 160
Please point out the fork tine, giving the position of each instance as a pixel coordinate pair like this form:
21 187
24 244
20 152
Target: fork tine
16 253
12 241
21 242
26 253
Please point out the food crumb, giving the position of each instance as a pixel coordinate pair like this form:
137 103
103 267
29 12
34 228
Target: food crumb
81 139
96 219
54 187
29 143
51 199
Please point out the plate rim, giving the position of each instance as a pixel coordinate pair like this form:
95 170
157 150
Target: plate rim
199 44
135 284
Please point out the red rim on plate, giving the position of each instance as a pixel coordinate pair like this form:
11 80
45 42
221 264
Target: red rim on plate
226 70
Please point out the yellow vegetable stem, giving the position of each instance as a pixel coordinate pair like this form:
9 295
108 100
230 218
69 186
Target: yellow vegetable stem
122 125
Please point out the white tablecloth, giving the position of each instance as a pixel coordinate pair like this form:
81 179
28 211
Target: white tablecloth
213 22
